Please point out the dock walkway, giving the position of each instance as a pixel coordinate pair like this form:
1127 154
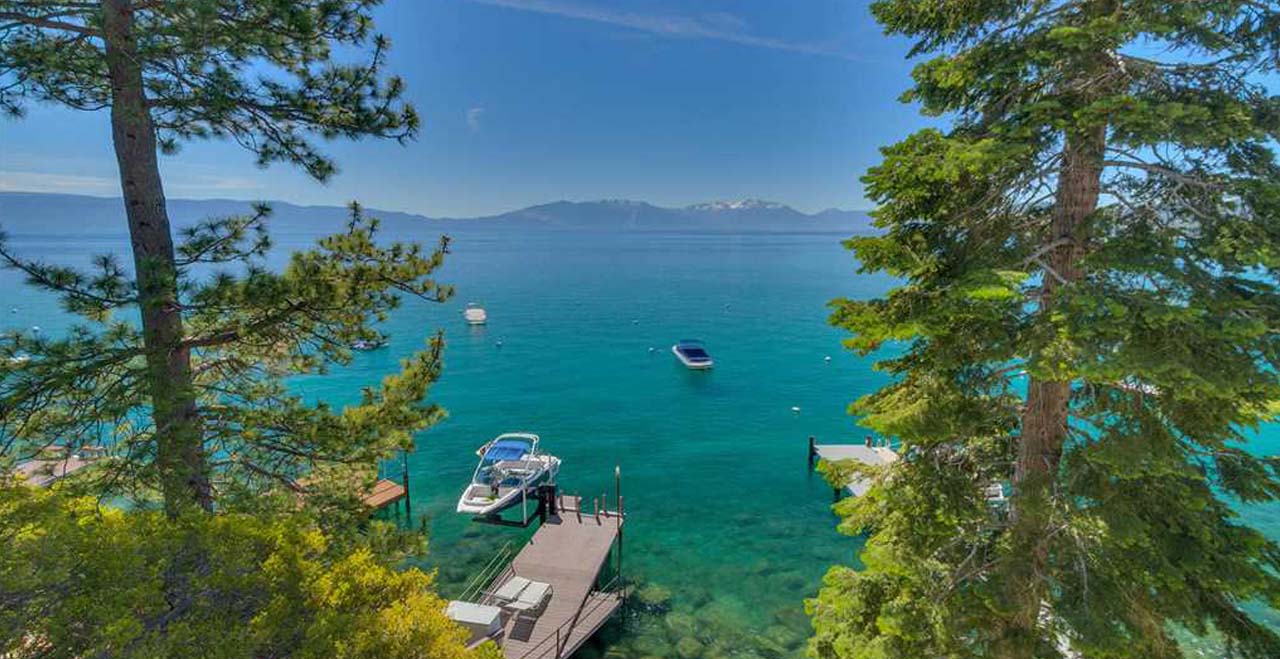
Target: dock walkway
865 453
568 551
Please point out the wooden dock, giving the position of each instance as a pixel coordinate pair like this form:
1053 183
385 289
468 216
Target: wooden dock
383 493
43 472
568 551
867 453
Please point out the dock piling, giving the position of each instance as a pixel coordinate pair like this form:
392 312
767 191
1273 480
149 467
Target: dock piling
813 451
404 478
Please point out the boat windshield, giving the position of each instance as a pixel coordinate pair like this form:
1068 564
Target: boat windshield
695 353
508 449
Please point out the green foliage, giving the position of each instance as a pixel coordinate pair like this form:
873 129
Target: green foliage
260 72
248 331
1168 338
77 580
191 404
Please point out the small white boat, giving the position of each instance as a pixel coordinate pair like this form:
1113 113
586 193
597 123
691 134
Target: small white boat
691 353
475 314
511 467
365 346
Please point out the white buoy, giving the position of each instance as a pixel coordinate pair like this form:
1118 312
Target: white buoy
795 409
651 349
499 343
13 310
827 358
35 329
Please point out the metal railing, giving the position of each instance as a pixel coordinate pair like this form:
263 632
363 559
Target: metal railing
486 575
564 632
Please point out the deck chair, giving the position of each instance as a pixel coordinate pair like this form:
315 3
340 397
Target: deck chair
511 590
531 601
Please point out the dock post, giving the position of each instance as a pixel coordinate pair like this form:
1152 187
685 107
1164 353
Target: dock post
619 537
813 450
404 478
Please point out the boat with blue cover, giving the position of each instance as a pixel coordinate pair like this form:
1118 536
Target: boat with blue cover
692 354
511 467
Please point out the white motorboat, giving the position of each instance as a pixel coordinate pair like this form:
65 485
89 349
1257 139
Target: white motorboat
475 314
691 353
511 467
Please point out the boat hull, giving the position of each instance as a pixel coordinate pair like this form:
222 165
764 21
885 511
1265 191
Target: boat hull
696 366
472 501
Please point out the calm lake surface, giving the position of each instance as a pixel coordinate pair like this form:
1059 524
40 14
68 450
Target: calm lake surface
721 510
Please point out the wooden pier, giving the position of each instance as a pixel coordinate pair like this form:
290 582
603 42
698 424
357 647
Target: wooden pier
55 463
43 472
383 493
569 552
868 453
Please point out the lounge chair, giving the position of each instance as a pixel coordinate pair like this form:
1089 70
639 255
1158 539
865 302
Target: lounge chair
531 600
511 590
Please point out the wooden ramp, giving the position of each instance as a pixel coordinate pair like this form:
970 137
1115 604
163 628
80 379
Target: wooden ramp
568 551
864 453
43 472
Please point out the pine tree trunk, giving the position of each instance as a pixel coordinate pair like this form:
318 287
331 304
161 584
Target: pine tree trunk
1044 422
1045 419
179 456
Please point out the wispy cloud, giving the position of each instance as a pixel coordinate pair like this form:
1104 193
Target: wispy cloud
15 181
197 184
715 26
474 115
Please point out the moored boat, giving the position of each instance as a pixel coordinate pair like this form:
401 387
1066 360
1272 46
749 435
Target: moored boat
475 314
511 467
692 354
365 346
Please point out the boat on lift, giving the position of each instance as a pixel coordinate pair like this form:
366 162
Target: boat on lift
475 314
511 467
692 354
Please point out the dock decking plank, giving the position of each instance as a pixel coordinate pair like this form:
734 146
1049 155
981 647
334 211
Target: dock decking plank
568 551
871 455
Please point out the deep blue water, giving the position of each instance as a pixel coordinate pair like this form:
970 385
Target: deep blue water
721 510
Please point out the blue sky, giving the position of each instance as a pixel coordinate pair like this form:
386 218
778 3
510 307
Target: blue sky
529 101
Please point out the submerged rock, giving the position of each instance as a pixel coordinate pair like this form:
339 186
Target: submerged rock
651 644
654 597
793 617
782 636
680 624
689 648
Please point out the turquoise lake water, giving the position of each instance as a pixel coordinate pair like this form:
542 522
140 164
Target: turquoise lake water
721 510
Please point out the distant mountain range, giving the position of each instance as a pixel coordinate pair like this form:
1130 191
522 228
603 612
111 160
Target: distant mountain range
29 212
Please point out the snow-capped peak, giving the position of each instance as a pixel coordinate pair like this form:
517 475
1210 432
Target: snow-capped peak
738 205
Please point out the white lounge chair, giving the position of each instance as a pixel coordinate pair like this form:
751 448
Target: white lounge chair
531 601
509 591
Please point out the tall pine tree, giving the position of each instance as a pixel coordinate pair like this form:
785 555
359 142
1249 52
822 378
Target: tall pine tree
1089 316
191 398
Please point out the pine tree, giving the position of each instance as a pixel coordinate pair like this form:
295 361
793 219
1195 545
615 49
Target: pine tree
191 398
1089 317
